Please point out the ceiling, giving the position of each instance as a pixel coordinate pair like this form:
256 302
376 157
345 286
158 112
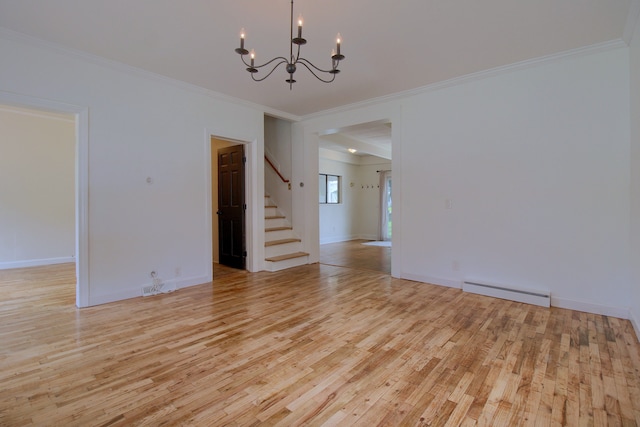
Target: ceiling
368 139
390 46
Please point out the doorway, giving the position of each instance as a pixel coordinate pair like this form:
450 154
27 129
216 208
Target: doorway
39 183
361 156
228 208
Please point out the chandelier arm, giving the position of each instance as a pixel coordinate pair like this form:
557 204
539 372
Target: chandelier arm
306 63
333 76
284 61
282 58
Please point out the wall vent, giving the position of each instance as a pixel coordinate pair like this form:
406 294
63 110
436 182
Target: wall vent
528 296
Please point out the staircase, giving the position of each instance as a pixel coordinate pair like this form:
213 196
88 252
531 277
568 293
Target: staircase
283 249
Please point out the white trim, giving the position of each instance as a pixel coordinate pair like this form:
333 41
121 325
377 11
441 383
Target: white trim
632 21
430 280
119 66
82 180
587 307
254 199
619 312
328 240
468 78
35 262
133 293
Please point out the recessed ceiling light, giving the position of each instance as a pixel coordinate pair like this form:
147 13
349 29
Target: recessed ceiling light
352 150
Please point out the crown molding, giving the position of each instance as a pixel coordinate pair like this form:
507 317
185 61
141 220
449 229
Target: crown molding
128 69
632 21
480 75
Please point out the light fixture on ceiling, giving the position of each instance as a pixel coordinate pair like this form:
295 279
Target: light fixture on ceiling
351 150
293 60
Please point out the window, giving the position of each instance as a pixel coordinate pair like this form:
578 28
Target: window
329 189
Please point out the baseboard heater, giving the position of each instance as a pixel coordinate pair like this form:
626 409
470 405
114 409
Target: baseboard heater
528 296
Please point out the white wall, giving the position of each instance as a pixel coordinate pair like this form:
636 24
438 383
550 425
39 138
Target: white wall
535 162
141 127
369 196
37 187
277 143
357 217
635 178
338 222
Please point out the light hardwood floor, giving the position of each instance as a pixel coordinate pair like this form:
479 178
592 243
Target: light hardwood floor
354 254
308 346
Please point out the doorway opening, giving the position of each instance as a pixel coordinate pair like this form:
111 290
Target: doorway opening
44 215
360 155
228 203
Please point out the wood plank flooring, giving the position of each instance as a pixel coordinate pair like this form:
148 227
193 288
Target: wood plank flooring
354 254
314 345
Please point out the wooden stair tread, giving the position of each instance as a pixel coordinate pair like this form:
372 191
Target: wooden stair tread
281 242
287 256
275 217
277 229
270 206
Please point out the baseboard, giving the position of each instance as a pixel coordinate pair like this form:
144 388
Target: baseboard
588 307
192 281
326 240
337 239
36 262
619 312
432 280
137 292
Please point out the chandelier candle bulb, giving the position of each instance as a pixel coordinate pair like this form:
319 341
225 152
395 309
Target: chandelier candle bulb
300 26
241 50
338 41
253 56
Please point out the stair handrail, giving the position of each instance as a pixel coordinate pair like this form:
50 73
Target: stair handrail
286 181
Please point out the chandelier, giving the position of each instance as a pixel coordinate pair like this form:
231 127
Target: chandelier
326 76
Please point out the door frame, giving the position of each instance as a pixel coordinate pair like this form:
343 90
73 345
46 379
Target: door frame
254 198
81 114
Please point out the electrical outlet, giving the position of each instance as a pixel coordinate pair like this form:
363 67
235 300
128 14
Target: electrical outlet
178 271
455 266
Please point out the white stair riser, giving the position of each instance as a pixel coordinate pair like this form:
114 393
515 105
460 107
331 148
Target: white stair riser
287 263
270 211
286 248
276 222
279 235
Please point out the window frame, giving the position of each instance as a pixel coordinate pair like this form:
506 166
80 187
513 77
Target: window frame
325 200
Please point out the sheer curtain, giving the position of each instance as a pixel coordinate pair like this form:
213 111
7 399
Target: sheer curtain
384 229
